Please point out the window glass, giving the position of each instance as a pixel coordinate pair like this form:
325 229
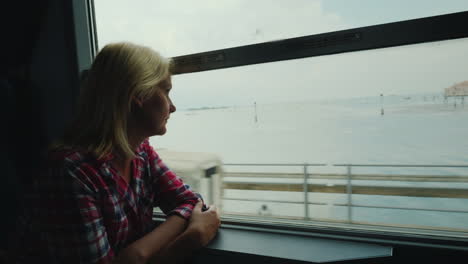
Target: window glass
381 107
185 26
365 128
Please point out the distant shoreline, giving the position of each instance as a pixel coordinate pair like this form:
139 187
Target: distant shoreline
207 108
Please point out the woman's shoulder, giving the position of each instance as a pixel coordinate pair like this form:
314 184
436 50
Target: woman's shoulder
67 165
69 156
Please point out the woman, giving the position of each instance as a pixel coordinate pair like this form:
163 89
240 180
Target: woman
94 202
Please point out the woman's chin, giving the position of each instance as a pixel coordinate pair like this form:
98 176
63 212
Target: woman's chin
161 131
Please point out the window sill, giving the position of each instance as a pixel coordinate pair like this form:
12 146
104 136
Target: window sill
268 242
235 243
293 247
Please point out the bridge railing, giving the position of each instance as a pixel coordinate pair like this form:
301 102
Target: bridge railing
348 188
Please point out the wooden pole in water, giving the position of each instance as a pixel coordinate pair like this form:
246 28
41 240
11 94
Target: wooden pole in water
381 105
255 107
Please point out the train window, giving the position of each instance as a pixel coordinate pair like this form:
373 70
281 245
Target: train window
379 107
372 139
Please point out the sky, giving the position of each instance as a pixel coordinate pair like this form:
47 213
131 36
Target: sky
181 27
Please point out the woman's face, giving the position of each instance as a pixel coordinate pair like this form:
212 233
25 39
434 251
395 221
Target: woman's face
157 109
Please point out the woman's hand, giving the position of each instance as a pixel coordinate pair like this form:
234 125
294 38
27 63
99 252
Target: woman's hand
204 224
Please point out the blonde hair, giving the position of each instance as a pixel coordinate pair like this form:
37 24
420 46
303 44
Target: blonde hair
119 72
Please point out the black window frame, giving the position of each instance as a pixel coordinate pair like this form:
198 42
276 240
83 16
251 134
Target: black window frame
408 32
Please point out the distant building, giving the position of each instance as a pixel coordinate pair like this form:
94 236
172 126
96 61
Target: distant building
459 89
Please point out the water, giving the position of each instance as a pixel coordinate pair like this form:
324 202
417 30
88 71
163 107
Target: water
415 129
412 131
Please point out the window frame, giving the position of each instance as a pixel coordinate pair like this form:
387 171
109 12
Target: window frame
85 33
347 232
401 33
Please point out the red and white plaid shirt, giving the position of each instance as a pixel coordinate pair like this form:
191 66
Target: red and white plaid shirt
82 211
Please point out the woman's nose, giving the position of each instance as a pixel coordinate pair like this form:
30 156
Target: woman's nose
172 108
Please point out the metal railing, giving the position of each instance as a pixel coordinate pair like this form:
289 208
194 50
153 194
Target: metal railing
306 177
349 186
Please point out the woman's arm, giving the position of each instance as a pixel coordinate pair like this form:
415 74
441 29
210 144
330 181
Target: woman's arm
154 242
202 229
172 242
172 196
177 200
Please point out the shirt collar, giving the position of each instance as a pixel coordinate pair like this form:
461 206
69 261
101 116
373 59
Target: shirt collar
139 152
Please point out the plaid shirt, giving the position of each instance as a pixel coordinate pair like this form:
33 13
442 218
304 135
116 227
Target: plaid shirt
83 211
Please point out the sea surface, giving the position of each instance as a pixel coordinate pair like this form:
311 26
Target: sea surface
418 129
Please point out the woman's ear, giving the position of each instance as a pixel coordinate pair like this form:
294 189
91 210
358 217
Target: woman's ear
137 101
